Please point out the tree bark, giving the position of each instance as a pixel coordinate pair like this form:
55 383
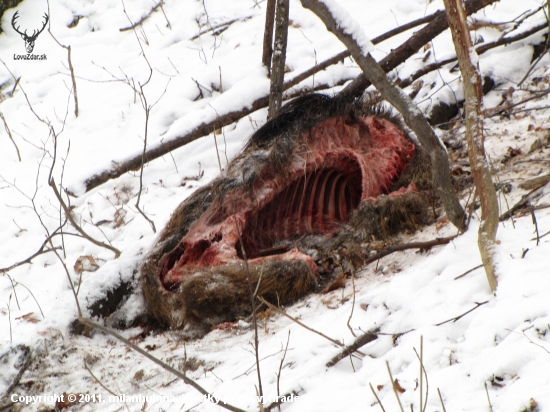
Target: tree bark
279 58
473 93
411 114
268 35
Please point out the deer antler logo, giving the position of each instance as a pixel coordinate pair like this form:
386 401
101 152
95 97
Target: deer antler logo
29 40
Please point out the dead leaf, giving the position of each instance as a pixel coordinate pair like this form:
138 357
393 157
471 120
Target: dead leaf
339 283
85 264
397 386
29 318
379 387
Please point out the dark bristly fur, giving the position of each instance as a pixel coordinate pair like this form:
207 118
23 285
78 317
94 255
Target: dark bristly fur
217 294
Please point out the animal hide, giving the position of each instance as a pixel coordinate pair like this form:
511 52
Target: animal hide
326 174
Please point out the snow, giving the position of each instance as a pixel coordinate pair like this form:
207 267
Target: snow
503 342
349 26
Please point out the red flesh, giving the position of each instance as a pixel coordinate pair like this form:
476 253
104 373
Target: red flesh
341 166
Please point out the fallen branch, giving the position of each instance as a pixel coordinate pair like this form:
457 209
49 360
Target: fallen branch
524 201
414 245
133 26
410 47
357 343
163 365
464 314
480 49
217 26
342 55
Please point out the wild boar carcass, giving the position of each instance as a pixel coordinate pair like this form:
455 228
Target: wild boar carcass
323 174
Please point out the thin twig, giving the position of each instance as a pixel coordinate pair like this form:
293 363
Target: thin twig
71 69
488 399
536 225
9 316
163 365
543 235
468 271
40 251
280 369
282 312
79 229
421 380
28 290
13 288
441 399
393 386
422 369
10 136
98 381
376 396
217 152
464 314
352 305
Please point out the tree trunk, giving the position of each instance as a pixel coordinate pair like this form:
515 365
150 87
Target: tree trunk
473 93
268 34
279 58
411 114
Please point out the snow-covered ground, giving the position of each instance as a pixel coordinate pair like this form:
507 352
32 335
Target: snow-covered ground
503 343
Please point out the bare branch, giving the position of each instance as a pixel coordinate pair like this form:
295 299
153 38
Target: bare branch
419 39
71 69
464 314
79 229
357 343
134 25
